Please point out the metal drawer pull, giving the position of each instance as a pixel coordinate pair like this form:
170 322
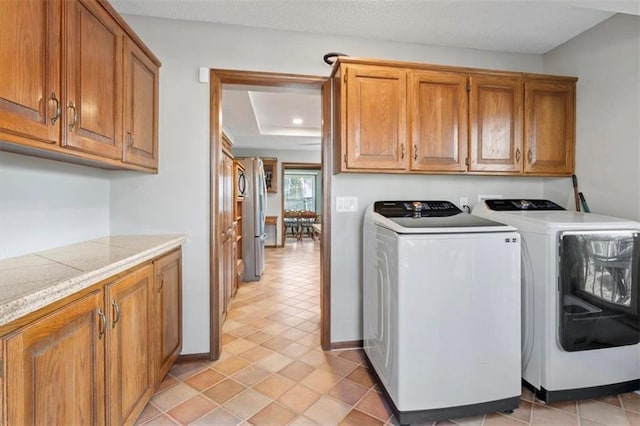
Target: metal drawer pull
102 322
130 142
530 156
402 151
58 110
518 155
415 152
116 313
74 119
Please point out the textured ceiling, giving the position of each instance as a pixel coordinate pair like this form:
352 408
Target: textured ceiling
526 26
263 119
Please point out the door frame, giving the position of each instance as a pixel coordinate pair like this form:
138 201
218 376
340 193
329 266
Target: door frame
218 77
297 166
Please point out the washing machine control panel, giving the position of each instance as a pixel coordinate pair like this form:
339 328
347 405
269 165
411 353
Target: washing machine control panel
505 205
416 208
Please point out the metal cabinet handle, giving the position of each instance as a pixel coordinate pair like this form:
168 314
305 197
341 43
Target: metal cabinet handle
116 313
102 323
242 183
518 155
161 276
130 140
530 156
402 151
74 118
415 152
58 110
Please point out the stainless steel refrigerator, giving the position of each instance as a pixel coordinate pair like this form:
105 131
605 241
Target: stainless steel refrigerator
254 210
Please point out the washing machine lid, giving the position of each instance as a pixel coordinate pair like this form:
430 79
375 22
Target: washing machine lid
430 217
544 216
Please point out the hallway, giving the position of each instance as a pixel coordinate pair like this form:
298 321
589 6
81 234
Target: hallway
273 371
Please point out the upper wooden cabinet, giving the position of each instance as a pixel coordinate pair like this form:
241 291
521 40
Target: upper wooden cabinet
374 116
30 60
93 101
438 110
140 137
495 116
394 117
64 66
549 130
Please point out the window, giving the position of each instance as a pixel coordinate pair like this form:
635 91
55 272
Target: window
299 191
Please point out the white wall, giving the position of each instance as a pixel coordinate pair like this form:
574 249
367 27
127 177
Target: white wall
606 59
46 204
347 239
177 199
274 200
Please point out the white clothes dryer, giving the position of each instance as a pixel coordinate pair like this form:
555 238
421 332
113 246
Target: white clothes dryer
581 318
441 291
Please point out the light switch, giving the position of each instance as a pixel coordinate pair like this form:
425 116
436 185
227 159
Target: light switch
346 204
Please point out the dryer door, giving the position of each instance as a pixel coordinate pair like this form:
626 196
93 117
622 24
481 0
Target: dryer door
599 294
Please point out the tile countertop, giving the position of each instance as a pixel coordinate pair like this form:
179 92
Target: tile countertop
32 281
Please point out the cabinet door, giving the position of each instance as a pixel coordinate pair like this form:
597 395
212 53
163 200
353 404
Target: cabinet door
374 120
129 364
30 70
140 108
549 127
223 273
93 111
438 111
229 197
168 312
54 367
495 116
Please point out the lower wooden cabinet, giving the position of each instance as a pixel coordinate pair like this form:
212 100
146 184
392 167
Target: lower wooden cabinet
54 367
97 359
129 340
168 312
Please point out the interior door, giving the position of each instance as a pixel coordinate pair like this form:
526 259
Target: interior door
286 81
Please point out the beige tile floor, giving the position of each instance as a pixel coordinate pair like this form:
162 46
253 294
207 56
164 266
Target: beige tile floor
273 371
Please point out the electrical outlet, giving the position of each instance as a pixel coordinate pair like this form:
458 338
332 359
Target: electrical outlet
464 201
346 204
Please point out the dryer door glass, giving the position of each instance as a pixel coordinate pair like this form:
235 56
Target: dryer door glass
599 295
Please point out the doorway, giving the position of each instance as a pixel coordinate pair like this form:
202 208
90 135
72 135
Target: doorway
217 79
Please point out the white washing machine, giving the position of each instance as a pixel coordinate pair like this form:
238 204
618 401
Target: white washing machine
441 292
581 322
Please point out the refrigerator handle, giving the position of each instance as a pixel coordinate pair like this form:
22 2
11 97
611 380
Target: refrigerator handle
264 189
